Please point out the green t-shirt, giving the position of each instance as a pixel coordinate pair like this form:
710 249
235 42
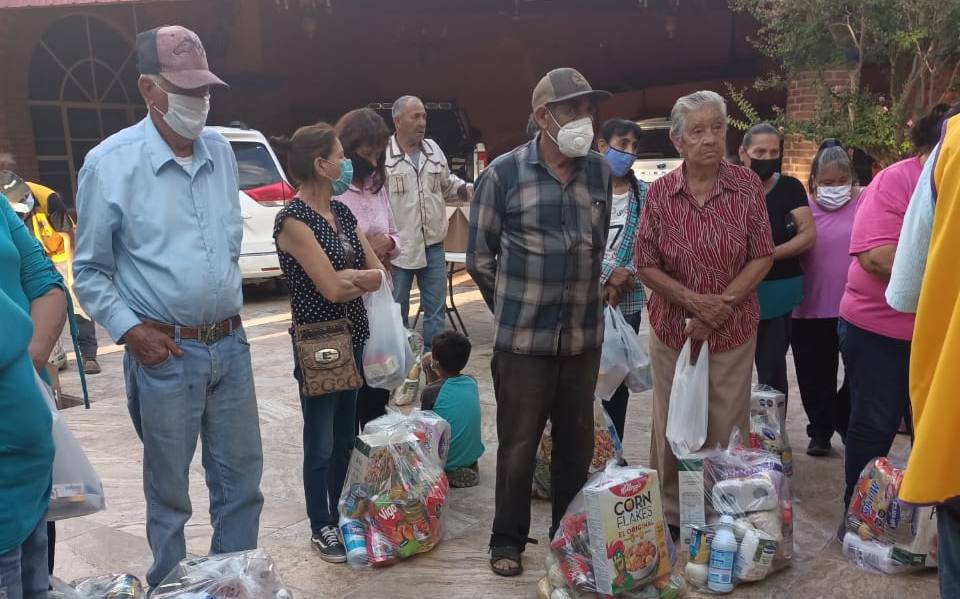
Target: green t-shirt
458 402
26 442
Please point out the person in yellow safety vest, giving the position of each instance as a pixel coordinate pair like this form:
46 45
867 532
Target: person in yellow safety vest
46 215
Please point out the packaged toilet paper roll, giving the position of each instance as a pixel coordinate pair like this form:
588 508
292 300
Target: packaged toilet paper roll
697 574
756 493
755 555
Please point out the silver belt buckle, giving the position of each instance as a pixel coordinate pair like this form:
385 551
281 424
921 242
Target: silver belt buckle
210 333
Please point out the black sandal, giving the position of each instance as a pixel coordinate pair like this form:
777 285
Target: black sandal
508 553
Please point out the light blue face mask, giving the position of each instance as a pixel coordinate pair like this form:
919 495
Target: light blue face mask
619 161
342 184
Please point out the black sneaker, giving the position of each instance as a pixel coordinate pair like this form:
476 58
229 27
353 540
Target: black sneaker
819 447
328 543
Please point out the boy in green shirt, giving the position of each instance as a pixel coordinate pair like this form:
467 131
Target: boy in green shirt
456 398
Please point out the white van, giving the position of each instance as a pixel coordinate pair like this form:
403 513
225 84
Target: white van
657 155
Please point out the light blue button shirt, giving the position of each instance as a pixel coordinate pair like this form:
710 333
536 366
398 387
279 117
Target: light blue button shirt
910 261
156 239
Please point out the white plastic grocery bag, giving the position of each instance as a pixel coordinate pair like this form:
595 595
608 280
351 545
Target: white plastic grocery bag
638 377
614 365
77 490
387 355
687 413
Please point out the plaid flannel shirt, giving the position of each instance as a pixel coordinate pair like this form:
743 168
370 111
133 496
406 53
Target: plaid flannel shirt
535 251
636 298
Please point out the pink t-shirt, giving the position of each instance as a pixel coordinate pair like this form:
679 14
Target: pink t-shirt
878 222
373 213
825 266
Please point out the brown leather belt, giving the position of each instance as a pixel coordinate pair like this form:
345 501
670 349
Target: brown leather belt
208 333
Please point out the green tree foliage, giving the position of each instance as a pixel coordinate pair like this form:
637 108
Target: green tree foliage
914 44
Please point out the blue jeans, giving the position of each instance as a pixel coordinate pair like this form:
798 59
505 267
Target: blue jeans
948 549
209 392
432 282
877 369
329 429
23 569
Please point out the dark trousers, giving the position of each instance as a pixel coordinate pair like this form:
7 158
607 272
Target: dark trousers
878 370
86 338
773 341
371 404
616 406
816 356
948 552
51 545
329 430
529 390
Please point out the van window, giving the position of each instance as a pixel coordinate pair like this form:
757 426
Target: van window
255 164
655 144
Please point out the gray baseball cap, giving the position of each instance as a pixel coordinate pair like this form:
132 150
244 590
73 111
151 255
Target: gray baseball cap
560 85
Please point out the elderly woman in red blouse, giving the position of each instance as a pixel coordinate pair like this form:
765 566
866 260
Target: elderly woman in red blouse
704 245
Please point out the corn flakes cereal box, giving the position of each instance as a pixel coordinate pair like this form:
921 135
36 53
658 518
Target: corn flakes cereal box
627 531
371 462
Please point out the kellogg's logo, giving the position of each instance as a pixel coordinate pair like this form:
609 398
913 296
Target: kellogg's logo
631 488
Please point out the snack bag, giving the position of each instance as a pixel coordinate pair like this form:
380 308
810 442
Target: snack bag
613 539
768 424
882 532
243 575
393 503
606 447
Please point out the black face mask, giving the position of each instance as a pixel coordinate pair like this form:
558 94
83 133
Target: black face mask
765 168
361 166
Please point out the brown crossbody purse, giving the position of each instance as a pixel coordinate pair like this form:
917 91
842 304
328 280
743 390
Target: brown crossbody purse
325 349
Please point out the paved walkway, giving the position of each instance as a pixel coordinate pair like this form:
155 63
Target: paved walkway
114 540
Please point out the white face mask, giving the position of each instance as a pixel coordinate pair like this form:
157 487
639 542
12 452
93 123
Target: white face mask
186 115
575 138
833 197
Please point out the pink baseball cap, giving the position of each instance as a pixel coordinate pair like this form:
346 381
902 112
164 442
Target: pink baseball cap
176 54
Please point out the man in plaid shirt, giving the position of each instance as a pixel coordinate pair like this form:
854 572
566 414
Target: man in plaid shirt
538 233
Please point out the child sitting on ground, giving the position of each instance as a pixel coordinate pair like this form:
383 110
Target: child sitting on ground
456 398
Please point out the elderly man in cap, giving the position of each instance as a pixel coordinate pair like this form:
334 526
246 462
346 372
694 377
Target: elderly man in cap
538 229
158 240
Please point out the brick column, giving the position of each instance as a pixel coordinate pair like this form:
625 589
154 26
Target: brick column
803 94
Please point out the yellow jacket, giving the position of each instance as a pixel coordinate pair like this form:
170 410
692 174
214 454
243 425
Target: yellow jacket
932 475
54 243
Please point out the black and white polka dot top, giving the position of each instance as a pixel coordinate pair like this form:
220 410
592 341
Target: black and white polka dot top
306 302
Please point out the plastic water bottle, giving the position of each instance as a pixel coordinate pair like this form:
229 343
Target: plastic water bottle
723 556
354 541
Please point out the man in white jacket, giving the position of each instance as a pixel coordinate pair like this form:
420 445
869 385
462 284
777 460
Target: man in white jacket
419 182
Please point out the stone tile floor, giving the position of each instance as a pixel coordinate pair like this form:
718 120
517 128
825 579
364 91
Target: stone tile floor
114 540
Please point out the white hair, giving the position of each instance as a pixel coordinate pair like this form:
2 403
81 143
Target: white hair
692 103
400 103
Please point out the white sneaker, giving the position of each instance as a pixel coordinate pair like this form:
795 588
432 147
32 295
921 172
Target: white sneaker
59 357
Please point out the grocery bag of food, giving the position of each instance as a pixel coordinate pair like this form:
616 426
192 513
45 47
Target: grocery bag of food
119 586
748 521
606 447
393 502
613 538
883 533
768 424
76 489
243 575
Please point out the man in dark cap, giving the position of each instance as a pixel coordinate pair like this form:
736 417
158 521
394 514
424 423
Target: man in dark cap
538 230
158 240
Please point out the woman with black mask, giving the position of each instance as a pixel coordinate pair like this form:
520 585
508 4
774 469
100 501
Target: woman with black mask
364 135
794 233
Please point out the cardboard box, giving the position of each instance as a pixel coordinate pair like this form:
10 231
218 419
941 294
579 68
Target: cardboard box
458 227
373 459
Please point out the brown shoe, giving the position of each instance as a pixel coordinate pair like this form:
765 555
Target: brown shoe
91 366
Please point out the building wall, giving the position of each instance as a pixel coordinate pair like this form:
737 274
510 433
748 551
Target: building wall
803 93
284 73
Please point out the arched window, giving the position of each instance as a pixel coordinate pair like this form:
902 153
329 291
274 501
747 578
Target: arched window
83 88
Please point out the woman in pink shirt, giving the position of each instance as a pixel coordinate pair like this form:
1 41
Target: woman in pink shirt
816 347
364 135
875 338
